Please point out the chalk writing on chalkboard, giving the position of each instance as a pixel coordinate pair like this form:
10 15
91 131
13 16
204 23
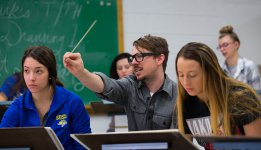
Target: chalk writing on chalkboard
59 24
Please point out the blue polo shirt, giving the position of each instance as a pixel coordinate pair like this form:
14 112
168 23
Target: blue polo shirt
8 86
67 115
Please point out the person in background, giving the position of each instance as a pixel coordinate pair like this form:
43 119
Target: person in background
209 102
235 65
148 96
12 87
46 102
120 66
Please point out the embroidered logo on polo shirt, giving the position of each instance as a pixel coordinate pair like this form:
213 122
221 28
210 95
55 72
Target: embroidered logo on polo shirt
62 120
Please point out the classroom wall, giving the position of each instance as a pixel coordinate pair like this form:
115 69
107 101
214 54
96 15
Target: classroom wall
183 21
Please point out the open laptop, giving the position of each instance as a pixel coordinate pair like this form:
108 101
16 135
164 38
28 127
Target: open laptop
29 138
152 139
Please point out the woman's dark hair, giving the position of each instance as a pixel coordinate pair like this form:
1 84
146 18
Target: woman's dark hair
45 56
113 69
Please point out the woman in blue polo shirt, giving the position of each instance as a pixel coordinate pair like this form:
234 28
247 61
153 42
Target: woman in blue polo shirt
47 102
12 87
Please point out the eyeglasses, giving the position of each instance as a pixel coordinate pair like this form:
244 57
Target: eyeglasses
140 56
224 45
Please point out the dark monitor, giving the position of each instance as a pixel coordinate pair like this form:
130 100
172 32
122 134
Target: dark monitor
3 107
107 108
29 138
152 139
232 142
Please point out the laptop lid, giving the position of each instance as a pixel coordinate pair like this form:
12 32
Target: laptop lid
172 137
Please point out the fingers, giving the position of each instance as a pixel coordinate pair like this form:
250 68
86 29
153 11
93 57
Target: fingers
220 131
69 58
66 57
72 56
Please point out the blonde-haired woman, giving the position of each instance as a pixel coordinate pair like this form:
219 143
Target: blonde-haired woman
209 102
235 65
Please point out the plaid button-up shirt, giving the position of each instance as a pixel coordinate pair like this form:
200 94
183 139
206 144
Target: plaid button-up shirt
246 71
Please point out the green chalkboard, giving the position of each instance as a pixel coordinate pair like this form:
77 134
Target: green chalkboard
60 24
